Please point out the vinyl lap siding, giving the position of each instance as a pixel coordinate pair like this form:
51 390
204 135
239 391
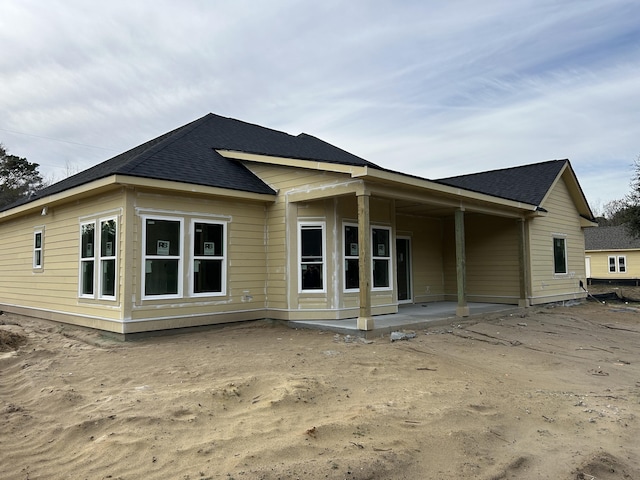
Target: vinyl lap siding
562 219
52 290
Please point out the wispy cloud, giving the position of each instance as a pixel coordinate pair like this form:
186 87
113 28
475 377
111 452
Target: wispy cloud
430 88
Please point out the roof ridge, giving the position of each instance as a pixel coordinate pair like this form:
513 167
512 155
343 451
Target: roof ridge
170 137
484 172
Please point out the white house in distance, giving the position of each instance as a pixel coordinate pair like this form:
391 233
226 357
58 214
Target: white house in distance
223 221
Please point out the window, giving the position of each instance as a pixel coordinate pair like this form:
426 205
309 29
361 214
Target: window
351 254
617 264
311 249
381 255
559 255
87 258
162 257
98 253
107 258
209 258
37 249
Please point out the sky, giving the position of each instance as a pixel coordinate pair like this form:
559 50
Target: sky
433 88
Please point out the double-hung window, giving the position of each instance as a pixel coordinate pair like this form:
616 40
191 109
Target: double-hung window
381 255
559 255
209 258
312 254
617 264
351 258
162 258
87 258
98 253
107 254
37 249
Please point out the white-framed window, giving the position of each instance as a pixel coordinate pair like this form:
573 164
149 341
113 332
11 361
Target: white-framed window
162 257
98 258
38 258
618 264
312 257
559 255
381 257
351 258
87 259
107 255
209 258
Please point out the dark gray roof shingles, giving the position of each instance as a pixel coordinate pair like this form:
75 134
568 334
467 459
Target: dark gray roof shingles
527 183
610 238
188 154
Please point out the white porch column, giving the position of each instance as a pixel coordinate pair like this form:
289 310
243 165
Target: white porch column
365 320
462 310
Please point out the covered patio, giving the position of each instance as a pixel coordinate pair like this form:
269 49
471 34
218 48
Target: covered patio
409 317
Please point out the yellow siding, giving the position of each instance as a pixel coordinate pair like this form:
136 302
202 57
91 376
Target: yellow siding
492 266
246 261
600 264
52 292
562 219
426 250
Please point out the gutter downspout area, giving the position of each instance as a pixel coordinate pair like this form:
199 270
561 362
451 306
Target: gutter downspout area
462 310
365 320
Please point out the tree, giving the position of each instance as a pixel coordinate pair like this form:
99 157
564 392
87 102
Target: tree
19 178
631 214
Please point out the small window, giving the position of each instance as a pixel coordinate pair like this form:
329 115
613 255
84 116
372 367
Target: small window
351 258
612 264
162 257
209 258
622 264
381 248
87 258
37 249
559 255
312 257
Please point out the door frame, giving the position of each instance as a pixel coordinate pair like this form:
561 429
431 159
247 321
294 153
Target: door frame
409 273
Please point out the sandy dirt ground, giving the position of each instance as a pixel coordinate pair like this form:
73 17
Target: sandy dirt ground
544 393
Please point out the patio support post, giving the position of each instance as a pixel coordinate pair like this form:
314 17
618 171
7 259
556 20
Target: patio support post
522 260
462 310
365 320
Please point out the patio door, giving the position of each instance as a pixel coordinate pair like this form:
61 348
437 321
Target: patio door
403 266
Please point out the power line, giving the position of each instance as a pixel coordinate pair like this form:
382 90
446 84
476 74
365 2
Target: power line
57 140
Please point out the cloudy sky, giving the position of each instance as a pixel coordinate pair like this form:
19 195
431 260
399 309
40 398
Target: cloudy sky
433 88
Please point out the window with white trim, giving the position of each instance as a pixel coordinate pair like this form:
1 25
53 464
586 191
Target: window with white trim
98 258
87 258
37 249
311 257
381 256
351 258
559 255
618 264
162 257
209 261
107 258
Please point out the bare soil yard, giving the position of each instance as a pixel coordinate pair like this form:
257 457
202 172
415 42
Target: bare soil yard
548 393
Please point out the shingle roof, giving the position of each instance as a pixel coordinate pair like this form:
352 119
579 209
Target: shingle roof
187 154
527 183
609 238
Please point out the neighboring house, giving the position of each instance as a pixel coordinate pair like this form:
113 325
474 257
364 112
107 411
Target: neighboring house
611 254
222 220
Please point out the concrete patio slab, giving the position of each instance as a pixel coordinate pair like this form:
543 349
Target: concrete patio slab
409 317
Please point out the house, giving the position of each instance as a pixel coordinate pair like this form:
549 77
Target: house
222 221
612 255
